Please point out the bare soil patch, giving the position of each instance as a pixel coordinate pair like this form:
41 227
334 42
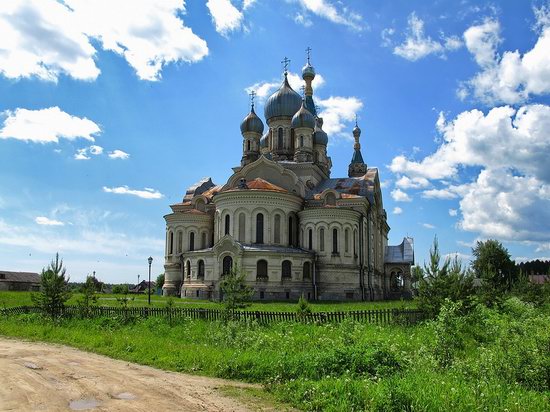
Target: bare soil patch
46 377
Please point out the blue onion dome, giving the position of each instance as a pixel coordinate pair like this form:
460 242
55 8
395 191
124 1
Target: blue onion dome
252 123
284 102
308 71
303 118
320 136
263 140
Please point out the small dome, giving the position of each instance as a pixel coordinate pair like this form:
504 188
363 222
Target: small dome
320 137
284 102
263 141
252 123
356 130
303 118
308 71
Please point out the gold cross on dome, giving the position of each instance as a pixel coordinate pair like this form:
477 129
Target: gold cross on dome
252 95
308 51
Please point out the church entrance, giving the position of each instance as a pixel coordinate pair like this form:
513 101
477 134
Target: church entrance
227 265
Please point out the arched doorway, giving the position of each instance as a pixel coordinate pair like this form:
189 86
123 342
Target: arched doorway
227 265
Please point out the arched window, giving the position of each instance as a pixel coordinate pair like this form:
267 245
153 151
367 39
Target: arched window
301 141
188 268
290 231
199 205
227 265
200 269
203 241
307 270
192 241
310 239
227 223
280 140
346 241
277 231
261 269
330 199
322 240
171 248
334 240
260 228
248 145
242 226
179 248
286 269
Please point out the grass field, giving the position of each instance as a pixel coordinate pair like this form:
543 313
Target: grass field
10 299
489 361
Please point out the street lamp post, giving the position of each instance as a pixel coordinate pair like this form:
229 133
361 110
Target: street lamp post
150 260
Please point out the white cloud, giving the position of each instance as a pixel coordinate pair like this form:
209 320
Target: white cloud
386 35
416 182
510 77
334 12
46 38
400 196
42 220
83 154
146 193
118 154
453 212
302 20
46 125
428 225
248 3
506 150
397 210
439 194
418 45
335 111
225 15
266 88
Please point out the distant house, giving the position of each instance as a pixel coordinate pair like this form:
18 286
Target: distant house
539 279
142 287
21 281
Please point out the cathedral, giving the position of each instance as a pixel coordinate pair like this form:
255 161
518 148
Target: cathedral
284 221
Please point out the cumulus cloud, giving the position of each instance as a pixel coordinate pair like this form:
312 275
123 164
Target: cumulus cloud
400 196
453 212
47 38
417 44
225 15
46 125
428 225
334 12
83 154
42 220
397 210
511 77
146 193
416 182
118 154
505 150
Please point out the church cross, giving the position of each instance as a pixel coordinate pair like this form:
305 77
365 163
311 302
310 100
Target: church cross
308 51
252 95
285 62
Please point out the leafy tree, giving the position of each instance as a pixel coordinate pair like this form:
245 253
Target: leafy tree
495 268
120 289
89 297
236 293
444 281
160 281
54 289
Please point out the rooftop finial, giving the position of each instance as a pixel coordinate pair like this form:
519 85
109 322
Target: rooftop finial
252 95
308 51
285 62
356 120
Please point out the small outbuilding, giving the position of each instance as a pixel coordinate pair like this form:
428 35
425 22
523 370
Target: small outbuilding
19 281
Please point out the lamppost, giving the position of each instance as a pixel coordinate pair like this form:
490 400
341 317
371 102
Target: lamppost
150 260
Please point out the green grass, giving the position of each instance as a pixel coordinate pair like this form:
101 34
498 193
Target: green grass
501 364
10 299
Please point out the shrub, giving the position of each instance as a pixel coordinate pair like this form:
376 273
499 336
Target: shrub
54 289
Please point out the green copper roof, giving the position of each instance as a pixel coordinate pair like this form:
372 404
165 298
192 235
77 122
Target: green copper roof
357 157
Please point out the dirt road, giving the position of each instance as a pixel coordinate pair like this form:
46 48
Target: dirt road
46 377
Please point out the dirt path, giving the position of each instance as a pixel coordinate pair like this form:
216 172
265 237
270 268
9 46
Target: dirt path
46 377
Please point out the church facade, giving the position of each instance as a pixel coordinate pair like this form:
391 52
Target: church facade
283 220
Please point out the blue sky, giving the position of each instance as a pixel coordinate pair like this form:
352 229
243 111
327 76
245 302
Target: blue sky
109 111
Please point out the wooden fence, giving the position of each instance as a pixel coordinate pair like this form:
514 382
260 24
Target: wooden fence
376 316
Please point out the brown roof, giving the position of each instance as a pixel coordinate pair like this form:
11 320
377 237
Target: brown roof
194 212
212 191
22 277
261 184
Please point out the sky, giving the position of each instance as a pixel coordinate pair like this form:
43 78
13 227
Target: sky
110 110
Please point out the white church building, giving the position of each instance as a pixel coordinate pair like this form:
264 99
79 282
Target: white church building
283 220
